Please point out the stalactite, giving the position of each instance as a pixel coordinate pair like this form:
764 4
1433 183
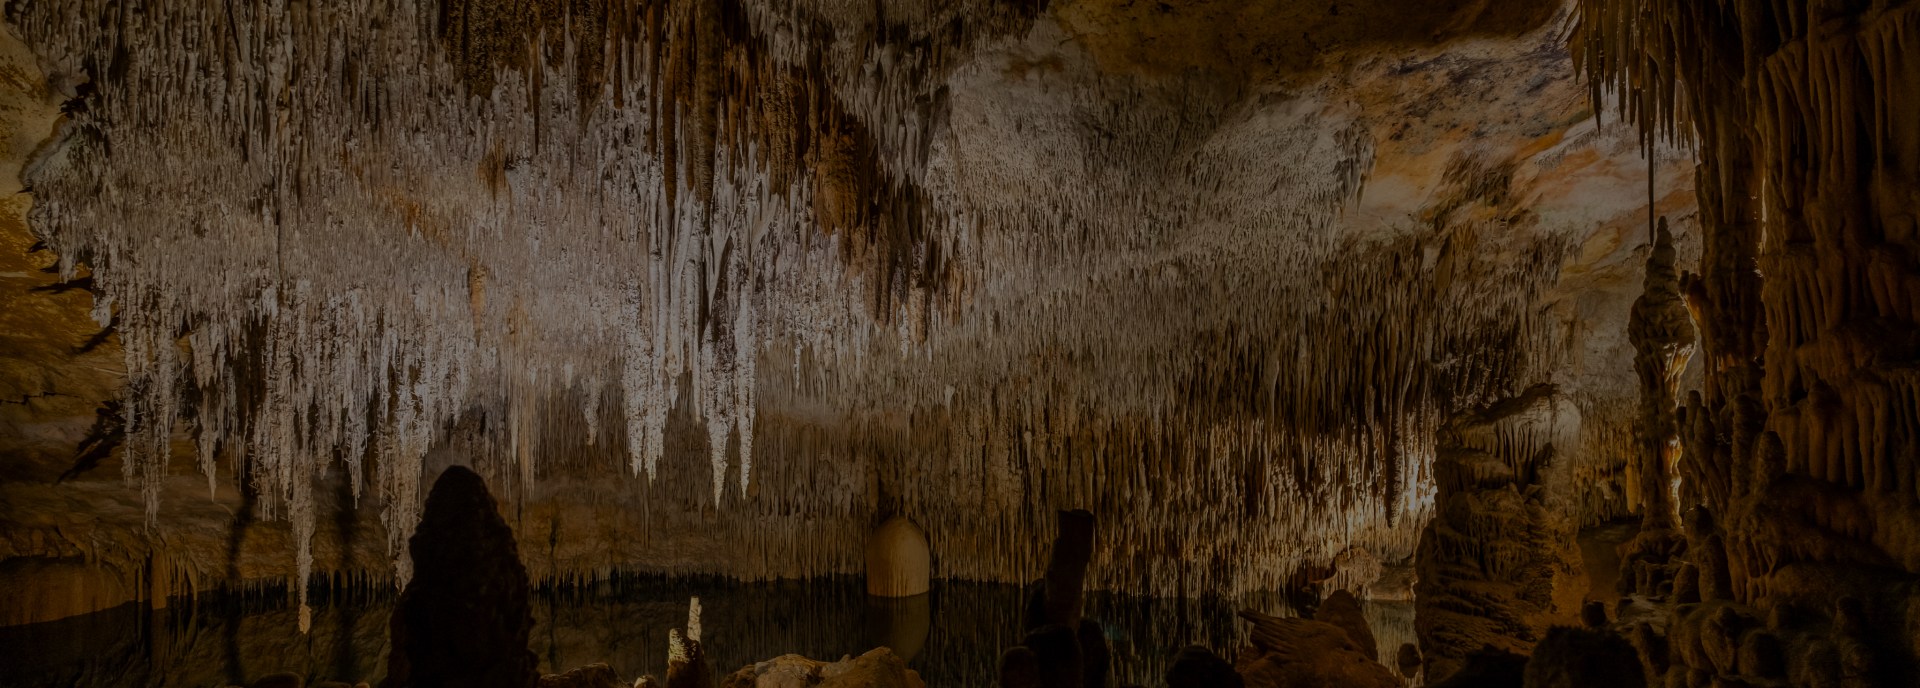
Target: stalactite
361 234
1802 118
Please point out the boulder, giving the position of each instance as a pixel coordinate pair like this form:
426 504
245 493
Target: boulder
1408 659
879 668
278 681
1342 610
1593 614
1488 667
1020 668
1058 650
1762 656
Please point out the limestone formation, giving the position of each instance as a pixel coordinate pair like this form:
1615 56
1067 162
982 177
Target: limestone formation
794 266
1497 564
589 676
879 668
1308 653
1292 299
1061 648
1799 442
1343 611
1577 658
1198 667
464 619
898 562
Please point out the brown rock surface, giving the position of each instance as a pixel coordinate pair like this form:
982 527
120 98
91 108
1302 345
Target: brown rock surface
1342 610
945 193
589 676
1307 653
878 668
1498 564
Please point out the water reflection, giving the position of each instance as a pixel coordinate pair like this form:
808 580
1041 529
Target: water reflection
953 635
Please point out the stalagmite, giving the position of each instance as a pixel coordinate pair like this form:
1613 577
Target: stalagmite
797 265
1801 117
898 561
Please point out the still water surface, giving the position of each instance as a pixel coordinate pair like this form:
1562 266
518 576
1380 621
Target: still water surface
953 635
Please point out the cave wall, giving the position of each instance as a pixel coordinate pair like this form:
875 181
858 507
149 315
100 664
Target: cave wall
1498 564
1799 448
756 276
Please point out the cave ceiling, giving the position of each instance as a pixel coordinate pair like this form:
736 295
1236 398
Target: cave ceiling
774 270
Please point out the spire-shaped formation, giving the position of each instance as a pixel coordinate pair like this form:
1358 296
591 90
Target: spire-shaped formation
1662 337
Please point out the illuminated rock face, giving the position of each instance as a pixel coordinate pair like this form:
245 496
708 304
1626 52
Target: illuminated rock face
1497 565
690 280
898 562
1798 450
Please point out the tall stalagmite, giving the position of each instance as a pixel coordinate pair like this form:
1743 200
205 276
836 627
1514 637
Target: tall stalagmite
1800 449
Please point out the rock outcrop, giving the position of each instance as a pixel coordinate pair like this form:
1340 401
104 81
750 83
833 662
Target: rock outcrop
589 676
1199 667
1498 564
1583 658
464 619
1304 653
1798 448
878 668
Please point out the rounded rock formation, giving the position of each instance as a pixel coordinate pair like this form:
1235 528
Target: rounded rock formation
899 564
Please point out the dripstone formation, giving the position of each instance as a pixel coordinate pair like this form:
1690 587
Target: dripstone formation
1492 343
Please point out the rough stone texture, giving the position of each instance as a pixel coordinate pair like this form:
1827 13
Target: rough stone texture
1498 564
1409 660
589 676
879 668
1064 586
1308 653
1342 610
1020 668
1061 649
898 562
337 251
1662 336
687 663
1800 440
1487 668
464 619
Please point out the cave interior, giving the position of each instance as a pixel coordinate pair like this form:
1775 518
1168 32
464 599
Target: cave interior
1009 343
